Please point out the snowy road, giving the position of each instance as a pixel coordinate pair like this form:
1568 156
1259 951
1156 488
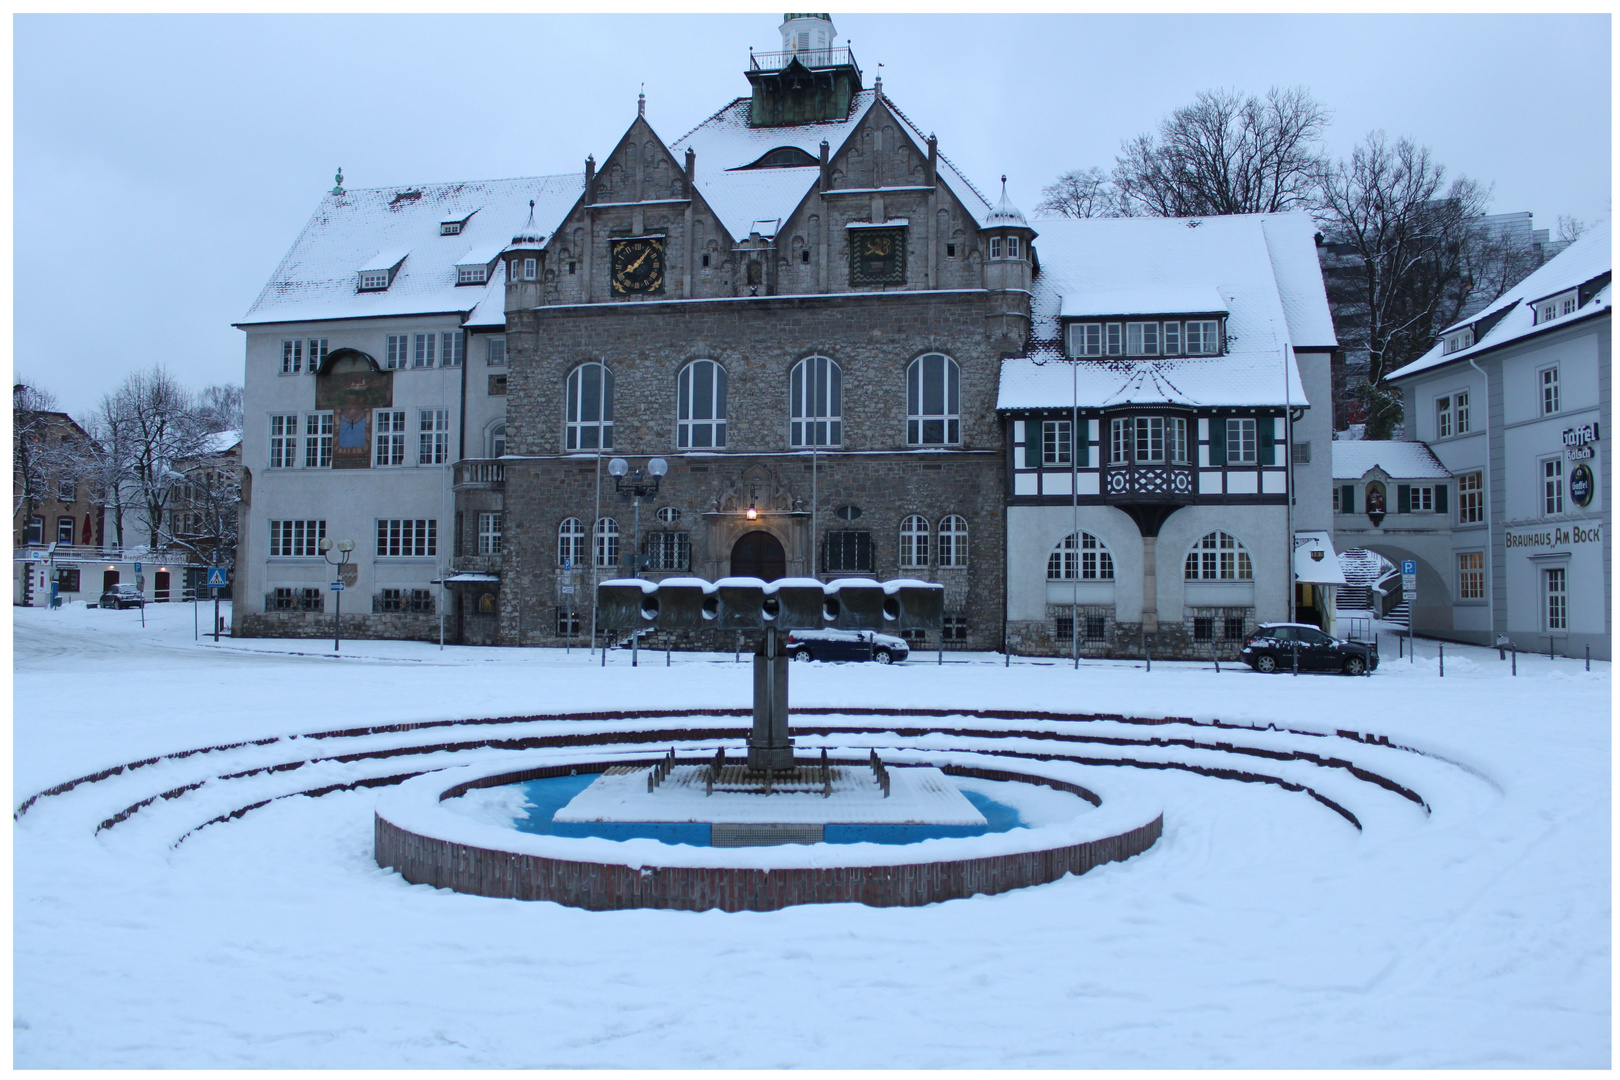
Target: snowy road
1262 930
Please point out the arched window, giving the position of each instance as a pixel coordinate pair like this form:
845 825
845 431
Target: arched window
497 438
817 394
701 406
1218 557
590 408
607 542
933 407
914 541
571 543
953 541
1080 557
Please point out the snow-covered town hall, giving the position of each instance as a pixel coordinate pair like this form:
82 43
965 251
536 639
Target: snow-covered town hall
851 360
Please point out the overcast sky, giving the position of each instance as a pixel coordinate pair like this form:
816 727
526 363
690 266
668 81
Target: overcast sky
164 164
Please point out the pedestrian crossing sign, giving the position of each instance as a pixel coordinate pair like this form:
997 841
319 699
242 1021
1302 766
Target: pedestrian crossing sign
216 578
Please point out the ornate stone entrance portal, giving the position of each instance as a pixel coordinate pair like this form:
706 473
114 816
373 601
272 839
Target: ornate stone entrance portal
758 554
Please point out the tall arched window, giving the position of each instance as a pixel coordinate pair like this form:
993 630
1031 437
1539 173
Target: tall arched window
1080 557
933 406
571 543
700 417
607 542
1218 557
817 393
914 541
497 438
590 408
953 541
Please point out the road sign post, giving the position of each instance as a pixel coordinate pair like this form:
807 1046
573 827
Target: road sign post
216 582
337 617
1409 594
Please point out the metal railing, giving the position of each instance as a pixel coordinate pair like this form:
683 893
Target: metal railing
810 58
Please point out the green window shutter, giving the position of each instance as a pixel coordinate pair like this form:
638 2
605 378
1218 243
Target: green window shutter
1403 499
1347 499
1265 428
1082 443
1032 444
1217 441
1440 498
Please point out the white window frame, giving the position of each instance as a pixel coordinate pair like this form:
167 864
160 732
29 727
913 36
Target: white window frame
1057 442
1085 339
452 348
1203 337
1113 339
531 269
700 417
1149 440
318 429
283 440
1442 417
1470 498
472 275
495 439
1218 556
570 543
1552 486
816 403
605 542
489 532
1458 340
914 536
952 549
1555 599
424 349
1470 575
1420 500
995 247
398 352
407 538
296 538
1172 339
1080 557
1141 339
1244 434
1121 440
433 437
1459 411
373 280
927 426
1012 247
1551 395
495 352
1175 434
388 449
292 356
580 433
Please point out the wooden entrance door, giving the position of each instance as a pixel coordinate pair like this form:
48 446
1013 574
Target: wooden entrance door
758 554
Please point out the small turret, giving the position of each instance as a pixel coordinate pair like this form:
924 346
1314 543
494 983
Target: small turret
525 259
807 32
1004 242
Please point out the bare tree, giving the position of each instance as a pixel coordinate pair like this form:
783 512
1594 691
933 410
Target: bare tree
1080 193
219 407
1412 255
155 422
1570 228
204 517
33 413
1226 154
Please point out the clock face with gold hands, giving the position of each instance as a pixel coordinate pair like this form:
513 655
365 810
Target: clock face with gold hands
638 266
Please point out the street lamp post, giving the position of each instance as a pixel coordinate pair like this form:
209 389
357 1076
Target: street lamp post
636 488
345 549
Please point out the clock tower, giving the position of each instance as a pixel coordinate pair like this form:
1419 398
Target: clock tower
809 80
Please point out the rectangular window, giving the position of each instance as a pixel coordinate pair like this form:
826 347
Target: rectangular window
1556 580
64 530
399 351
1422 499
1150 439
995 247
1201 338
1549 390
292 356
1085 339
497 350
1302 453
950 253
1142 339
1552 486
1063 628
1012 247
407 537
472 275
67 489
1459 411
403 601
1172 339
1233 630
318 441
568 623
1057 442
283 440
433 437
424 350
489 533
666 551
1442 417
1242 445
1120 442
67 579
296 539
1471 575
36 530
530 269
1115 344
294 599
1175 431
451 344
1471 498
373 279
390 445
848 550
1204 628
1337 491
1096 628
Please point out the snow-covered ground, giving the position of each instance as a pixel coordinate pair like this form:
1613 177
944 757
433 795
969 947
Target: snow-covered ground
1261 931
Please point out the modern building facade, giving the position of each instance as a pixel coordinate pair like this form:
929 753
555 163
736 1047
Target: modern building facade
1514 404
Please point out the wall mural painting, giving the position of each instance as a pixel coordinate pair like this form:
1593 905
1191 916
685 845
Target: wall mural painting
351 384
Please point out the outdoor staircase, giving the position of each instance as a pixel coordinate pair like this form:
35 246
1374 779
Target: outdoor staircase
1400 614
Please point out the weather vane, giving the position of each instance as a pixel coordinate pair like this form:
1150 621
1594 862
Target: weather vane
338 190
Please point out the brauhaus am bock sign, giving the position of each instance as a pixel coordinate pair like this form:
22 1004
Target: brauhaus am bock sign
1575 534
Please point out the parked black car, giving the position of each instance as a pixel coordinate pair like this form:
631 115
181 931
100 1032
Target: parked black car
122 596
1271 648
846 645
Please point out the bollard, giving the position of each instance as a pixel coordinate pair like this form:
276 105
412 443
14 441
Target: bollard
1215 658
1515 651
1296 657
635 647
1150 657
1400 647
1589 658
1549 648
1442 659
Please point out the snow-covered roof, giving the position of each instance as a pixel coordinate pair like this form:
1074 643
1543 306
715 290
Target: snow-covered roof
1004 212
1399 459
219 442
318 277
1511 316
724 144
491 309
1245 265
1315 561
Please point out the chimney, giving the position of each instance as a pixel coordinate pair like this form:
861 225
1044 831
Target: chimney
824 169
933 160
691 164
590 178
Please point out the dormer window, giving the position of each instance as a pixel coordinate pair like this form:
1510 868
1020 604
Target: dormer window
1147 337
373 279
1556 306
472 275
378 272
449 228
784 157
1458 340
